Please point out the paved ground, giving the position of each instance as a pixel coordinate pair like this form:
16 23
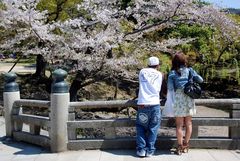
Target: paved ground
20 68
18 151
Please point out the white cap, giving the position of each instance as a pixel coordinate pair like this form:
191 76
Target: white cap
153 61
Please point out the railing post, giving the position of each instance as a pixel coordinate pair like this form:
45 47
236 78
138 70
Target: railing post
195 131
72 135
35 129
10 95
110 133
234 132
59 111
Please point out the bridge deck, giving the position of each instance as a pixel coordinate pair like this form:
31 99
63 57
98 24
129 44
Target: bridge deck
13 151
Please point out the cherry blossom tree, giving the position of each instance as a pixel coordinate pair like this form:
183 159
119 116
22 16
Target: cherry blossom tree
84 44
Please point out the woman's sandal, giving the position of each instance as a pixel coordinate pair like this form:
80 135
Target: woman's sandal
179 150
185 147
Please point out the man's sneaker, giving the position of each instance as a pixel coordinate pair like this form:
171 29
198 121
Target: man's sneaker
149 154
141 153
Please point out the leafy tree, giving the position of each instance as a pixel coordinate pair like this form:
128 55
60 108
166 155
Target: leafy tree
83 42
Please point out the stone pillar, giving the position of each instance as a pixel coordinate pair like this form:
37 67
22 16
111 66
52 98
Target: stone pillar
10 95
234 132
59 111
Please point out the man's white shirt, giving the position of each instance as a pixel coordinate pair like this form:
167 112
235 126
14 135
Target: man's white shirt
150 82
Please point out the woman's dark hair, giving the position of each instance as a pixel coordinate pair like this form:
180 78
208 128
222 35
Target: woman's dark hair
178 61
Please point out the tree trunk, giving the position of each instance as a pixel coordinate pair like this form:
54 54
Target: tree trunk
75 86
40 66
39 75
116 90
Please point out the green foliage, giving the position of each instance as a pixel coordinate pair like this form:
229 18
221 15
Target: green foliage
237 71
49 5
186 48
224 73
186 31
197 67
165 62
206 44
209 43
3 32
57 31
59 9
201 2
235 17
126 26
212 72
201 33
2 6
124 49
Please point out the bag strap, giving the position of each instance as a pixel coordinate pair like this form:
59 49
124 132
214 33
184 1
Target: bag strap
190 76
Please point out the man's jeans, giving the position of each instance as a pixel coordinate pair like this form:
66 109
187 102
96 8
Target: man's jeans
147 125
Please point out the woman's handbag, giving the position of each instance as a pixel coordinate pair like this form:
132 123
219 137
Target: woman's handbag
192 89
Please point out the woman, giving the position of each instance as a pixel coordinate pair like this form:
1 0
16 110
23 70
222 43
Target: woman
184 106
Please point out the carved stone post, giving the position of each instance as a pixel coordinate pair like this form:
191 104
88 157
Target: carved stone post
10 95
234 132
59 111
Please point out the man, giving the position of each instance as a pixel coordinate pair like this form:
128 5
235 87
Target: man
148 115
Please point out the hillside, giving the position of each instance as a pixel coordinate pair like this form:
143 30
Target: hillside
234 11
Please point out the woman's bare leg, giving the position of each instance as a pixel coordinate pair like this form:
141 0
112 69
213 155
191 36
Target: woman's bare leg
179 130
188 125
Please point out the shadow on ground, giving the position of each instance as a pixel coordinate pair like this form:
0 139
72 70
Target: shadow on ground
21 147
